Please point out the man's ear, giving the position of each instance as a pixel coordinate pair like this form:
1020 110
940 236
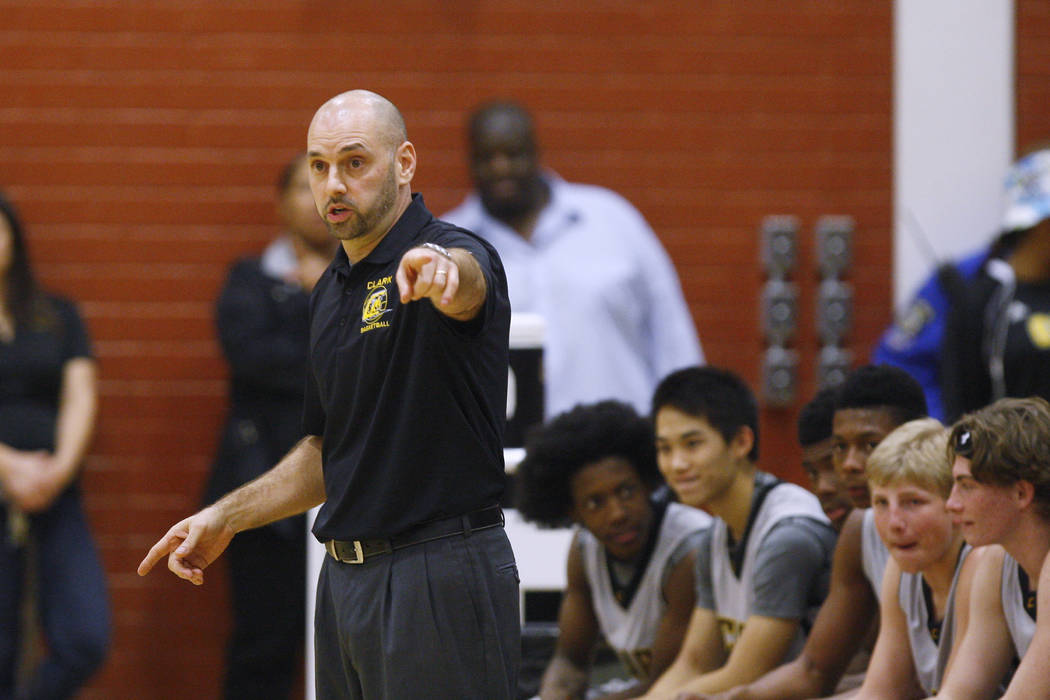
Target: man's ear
405 161
742 442
1024 493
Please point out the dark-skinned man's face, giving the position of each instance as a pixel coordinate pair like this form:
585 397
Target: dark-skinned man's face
504 165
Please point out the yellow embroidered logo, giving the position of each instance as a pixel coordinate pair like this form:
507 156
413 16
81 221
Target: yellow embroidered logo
1039 330
731 630
375 306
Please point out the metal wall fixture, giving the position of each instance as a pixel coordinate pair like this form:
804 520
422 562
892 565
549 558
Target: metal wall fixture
779 309
834 301
779 301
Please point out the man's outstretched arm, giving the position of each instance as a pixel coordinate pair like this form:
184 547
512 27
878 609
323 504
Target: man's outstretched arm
293 486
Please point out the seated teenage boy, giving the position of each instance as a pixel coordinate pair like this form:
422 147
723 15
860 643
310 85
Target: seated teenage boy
926 588
630 568
762 568
872 401
1001 465
815 422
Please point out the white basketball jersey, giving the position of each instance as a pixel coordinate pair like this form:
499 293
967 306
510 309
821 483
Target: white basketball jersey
873 552
630 631
734 597
1020 623
930 657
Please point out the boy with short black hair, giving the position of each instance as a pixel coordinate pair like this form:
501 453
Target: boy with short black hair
762 568
815 437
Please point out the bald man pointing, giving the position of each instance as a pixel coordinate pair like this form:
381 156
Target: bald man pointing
403 417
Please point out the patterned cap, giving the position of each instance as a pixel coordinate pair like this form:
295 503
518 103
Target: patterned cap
1028 192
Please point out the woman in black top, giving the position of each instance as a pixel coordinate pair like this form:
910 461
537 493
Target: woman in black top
48 399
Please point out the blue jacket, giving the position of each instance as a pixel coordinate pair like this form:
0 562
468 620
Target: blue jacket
915 340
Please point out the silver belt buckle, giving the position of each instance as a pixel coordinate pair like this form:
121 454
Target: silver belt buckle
359 555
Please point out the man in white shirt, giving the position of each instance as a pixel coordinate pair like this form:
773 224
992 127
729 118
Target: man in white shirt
583 258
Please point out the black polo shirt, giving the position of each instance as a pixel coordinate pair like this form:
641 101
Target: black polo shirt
410 403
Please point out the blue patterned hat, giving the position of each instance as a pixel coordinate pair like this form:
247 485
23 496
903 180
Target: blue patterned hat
1028 192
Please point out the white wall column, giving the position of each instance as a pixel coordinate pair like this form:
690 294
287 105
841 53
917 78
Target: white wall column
953 129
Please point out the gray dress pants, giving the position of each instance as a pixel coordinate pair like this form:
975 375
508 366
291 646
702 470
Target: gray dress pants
436 620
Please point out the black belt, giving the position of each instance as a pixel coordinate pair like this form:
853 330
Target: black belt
357 551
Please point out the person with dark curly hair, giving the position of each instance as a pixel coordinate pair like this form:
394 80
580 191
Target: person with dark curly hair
631 559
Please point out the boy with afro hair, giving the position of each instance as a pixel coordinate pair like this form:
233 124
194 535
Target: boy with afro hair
630 565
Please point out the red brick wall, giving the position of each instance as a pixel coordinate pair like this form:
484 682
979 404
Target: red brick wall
1033 72
141 140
